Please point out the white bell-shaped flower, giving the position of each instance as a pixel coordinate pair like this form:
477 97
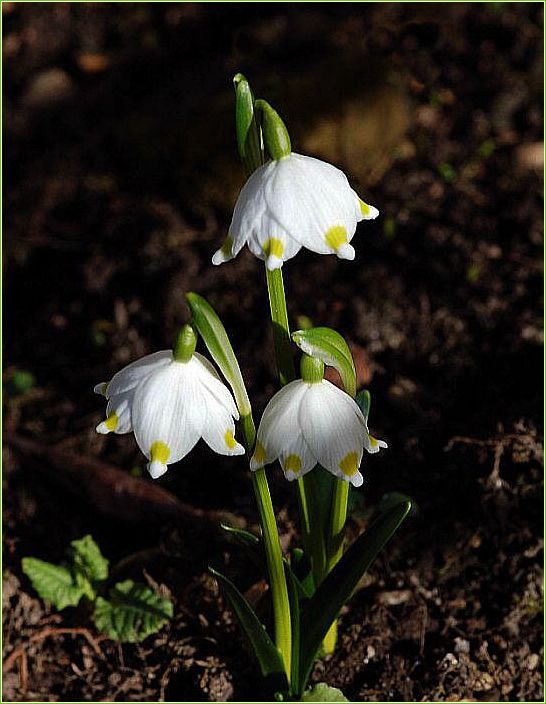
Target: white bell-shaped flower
313 422
170 403
292 202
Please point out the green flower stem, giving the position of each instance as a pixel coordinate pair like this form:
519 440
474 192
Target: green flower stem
338 517
337 522
248 140
273 552
316 543
313 536
277 577
281 330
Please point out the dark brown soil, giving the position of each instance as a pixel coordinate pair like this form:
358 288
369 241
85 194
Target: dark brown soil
121 172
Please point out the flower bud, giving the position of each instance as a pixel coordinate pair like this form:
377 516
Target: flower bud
275 134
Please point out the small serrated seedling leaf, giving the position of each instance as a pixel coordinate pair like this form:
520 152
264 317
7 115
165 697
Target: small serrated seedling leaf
88 557
133 612
89 566
54 583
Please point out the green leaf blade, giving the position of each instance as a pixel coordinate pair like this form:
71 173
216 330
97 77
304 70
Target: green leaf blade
330 347
54 583
215 337
243 536
294 596
132 613
321 610
267 654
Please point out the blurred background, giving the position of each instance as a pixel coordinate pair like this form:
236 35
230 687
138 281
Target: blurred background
121 173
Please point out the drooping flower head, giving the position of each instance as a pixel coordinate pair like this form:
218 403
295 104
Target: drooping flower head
310 421
291 202
170 400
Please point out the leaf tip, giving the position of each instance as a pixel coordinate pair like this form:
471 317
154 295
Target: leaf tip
239 78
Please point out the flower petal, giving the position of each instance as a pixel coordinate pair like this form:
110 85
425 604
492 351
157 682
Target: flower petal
331 423
249 208
219 428
225 252
118 414
372 444
365 211
272 243
279 424
128 377
168 412
297 458
309 198
210 380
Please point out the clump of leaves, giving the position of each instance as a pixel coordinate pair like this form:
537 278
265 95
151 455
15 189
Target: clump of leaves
128 612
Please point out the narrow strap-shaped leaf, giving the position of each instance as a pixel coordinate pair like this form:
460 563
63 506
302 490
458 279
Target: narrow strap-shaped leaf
267 654
390 499
301 570
253 544
244 536
216 339
294 597
330 347
299 566
322 609
364 401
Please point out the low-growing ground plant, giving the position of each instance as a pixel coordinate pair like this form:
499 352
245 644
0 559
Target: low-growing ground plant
126 611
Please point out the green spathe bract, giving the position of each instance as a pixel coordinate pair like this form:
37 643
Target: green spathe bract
332 349
275 134
215 338
248 133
